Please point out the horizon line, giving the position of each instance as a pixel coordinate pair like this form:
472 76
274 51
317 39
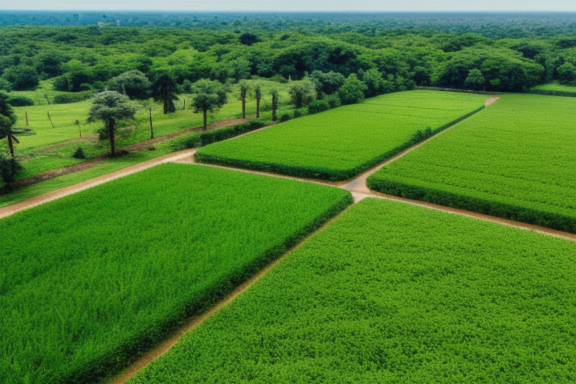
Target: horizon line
290 11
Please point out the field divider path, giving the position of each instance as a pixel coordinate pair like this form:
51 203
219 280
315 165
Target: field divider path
195 321
37 200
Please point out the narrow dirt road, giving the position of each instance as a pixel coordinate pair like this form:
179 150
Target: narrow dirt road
134 147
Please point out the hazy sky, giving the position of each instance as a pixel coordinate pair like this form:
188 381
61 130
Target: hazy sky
295 5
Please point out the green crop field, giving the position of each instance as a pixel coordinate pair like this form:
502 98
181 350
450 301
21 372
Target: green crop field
342 142
92 280
515 160
392 293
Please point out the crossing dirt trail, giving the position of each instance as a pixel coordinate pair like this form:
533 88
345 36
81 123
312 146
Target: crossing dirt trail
357 187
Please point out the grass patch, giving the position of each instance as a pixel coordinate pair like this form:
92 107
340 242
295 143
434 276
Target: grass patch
514 160
340 143
555 88
106 273
392 293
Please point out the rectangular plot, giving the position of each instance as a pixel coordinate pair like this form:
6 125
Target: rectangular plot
91 280
342 142
514 160
390 292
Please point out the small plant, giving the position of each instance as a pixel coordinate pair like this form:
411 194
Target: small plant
79 154
285 117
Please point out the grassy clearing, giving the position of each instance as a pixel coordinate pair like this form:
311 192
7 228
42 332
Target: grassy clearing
555 87
514 160
105 273
392 293
52 147
342 142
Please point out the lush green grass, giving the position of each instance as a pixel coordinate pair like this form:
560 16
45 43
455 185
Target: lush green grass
516 160
392 293
91 280
342 142
555 87
52 148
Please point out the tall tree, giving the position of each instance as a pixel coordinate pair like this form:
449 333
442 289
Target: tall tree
6 108
109 107
209 95
244 90
353 90
258 97
274 94
134 84
302 92
164 89
475 79
6 132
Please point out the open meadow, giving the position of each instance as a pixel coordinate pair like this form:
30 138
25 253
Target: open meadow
340 143
514 160
58 137
392 293
99 278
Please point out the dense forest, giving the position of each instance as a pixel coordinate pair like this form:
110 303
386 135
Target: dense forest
86 52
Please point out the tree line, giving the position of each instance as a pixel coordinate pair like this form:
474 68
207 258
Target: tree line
87 58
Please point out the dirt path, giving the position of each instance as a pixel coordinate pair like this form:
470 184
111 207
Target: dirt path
491 100
134 147
34 201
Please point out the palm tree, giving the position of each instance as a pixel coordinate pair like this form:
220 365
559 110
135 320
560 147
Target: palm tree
258 97
164 89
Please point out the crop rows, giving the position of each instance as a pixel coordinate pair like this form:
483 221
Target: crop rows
340 143
514 160
392 293
90 281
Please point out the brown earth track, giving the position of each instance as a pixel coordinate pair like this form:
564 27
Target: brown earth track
98 159
34 201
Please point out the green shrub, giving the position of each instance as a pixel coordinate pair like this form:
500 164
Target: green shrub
79 154
20 101
9 169
317 106
284 117
201 139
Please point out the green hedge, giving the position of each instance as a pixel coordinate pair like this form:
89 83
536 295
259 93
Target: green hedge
201 139
321 173
20 101
73 97
129 352
553 93
487 207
